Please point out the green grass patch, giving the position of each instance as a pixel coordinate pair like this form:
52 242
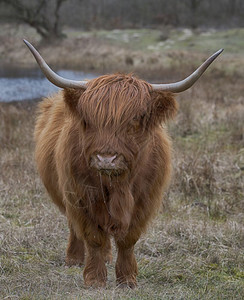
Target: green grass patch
174 39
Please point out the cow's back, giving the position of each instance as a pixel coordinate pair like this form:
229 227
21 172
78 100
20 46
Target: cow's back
49 124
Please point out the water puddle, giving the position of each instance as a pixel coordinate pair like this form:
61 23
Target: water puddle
25 84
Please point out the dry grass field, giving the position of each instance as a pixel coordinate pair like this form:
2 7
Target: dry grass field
150 53
194 249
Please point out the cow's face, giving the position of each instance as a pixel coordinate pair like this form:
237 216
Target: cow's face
114 149
118 115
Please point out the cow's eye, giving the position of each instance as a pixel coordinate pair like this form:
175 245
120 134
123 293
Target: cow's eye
134 125
84 124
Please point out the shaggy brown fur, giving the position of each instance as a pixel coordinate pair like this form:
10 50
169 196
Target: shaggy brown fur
115 114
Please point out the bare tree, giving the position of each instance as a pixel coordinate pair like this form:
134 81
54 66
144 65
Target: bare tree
47 16
36 15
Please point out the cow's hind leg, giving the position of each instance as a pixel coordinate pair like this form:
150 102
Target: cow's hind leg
75 252
126 265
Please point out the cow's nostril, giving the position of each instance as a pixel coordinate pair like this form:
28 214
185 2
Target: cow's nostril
112 158
99 157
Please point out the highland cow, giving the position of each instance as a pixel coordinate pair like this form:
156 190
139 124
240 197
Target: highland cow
105 160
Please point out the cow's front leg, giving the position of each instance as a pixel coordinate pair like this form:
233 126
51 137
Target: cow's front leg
126 265
95 272
96 241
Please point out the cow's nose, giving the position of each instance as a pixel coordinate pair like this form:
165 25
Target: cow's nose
106 159
108 163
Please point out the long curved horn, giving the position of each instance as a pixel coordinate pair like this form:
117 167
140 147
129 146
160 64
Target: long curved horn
52 76
186 83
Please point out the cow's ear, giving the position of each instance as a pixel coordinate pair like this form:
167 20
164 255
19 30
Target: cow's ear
164 106
71 98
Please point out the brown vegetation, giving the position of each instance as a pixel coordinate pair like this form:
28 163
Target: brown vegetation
138 51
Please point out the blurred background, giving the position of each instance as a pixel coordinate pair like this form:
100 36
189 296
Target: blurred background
49 17
194 248
151 38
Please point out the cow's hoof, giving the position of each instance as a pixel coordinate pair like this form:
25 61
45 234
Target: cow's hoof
128 284
95 283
